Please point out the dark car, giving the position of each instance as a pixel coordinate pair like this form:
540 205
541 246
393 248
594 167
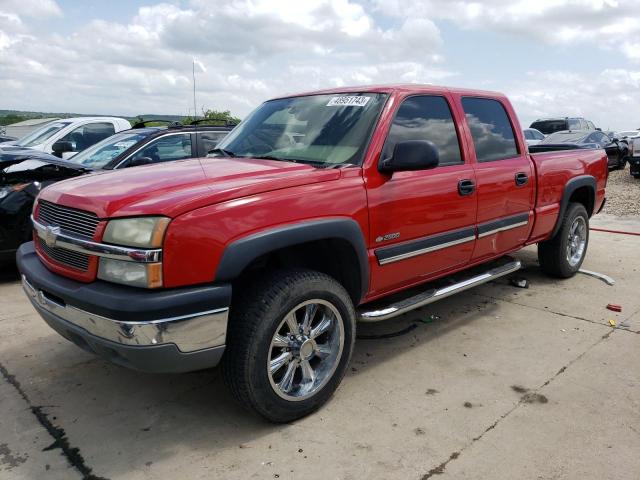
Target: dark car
552 125
617 150
23 175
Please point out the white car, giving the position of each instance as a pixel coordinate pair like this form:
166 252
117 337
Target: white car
533 136
66 137
627 134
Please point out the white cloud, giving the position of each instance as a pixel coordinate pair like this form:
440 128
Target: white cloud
605 98
614 24
256 49
250 48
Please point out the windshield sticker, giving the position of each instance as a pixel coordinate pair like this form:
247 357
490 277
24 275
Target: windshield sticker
348 101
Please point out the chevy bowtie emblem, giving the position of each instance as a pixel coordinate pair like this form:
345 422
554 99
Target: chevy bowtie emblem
51 235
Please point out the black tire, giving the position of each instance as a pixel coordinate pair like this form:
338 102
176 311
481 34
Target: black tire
622 163
553 253
257 312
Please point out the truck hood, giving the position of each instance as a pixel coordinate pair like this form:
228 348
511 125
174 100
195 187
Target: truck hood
174 188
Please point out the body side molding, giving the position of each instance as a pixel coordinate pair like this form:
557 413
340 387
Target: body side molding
420 246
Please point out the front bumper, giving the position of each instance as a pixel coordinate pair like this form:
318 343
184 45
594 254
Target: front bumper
174 330
634 166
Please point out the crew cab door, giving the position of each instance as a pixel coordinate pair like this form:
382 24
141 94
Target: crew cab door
422 222
504 174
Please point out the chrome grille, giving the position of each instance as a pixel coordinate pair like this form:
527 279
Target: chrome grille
77 260
68 219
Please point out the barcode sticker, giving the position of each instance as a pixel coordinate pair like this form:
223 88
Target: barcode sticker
348 101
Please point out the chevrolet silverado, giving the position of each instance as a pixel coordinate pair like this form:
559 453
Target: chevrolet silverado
318 211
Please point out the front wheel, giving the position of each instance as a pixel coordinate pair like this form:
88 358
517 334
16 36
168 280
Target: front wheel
290 339
563 255
622 163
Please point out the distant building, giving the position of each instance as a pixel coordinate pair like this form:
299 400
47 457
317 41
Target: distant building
25 127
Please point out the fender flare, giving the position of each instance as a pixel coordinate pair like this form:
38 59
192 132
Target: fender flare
240 253
571 186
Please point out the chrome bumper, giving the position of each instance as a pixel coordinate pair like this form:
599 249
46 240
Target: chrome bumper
188 333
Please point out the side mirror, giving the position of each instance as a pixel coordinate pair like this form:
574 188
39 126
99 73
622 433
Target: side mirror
61 147
136 162
615 139
411 155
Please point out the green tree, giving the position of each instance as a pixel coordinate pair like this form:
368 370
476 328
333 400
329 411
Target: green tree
214 116
11 118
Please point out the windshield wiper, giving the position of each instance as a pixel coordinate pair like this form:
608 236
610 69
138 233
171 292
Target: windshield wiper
273 157
226 153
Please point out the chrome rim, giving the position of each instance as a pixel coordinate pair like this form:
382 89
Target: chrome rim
305 350
577 241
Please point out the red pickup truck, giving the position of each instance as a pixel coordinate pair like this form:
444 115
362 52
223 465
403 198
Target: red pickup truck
319 210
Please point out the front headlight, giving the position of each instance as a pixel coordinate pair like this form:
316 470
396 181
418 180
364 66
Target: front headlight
139 232
146 275
145 232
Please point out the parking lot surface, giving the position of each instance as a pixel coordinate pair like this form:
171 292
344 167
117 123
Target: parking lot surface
498 382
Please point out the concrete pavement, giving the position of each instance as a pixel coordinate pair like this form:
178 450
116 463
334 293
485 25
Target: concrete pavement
506 383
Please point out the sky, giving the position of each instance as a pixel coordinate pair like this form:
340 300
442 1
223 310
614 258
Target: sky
125 57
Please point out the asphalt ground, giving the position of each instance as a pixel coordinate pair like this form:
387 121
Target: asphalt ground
497 382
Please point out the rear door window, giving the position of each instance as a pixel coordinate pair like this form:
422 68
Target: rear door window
425 118
491 130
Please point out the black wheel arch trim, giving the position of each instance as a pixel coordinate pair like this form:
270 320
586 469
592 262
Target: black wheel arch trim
240 253
571 186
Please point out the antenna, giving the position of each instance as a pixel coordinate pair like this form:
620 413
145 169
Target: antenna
195 112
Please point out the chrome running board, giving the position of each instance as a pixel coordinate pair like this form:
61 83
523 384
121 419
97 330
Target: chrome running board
434 294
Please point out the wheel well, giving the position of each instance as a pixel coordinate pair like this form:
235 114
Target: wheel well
335 257
583 195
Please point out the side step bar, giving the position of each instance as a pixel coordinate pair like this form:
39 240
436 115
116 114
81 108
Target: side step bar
435 294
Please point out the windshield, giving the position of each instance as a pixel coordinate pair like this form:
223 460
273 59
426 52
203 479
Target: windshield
565 137
632 133
103 152
41 134
324 130
550 126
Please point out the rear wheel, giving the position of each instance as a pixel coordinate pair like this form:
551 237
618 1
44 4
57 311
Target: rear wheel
290 338
563 255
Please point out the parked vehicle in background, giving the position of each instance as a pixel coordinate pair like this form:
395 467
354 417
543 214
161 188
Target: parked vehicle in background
634 157
627 134
7 138
315 207
64 138
532 136
22 180
617 150
552 125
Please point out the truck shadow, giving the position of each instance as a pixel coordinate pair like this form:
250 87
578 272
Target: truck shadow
127 420
8 272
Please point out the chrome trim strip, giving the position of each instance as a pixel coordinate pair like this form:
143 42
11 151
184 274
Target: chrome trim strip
502 229
78 244
422 251
189 333
433 295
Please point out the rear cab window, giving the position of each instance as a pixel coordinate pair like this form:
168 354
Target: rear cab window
491 130
425 117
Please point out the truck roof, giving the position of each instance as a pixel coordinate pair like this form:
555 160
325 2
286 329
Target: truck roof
397 88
